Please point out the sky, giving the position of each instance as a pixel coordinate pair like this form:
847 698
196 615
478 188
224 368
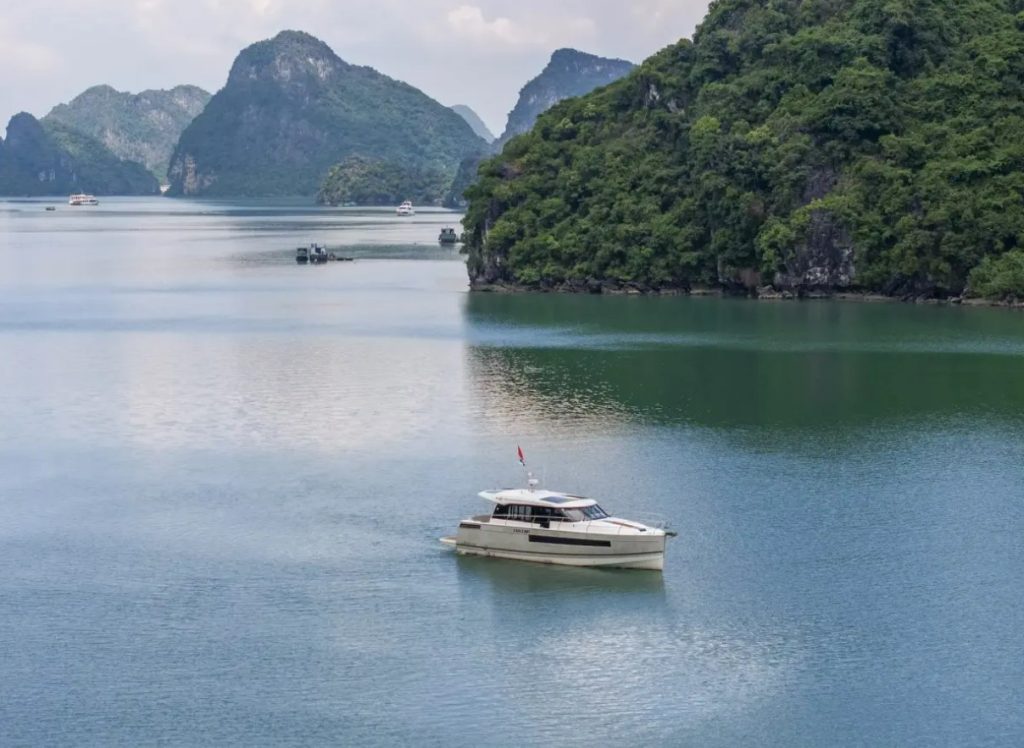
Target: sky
474 52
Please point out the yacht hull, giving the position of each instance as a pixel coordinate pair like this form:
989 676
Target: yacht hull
543 546
650 561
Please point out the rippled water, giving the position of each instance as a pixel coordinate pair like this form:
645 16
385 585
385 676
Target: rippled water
223 476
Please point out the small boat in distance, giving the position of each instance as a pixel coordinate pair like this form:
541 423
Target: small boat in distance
318 254
551 527
80 198
50 207
405 209
314 254
448 236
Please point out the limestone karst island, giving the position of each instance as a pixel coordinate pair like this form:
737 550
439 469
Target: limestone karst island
512 373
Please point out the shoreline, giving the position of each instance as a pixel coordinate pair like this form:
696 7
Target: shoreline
763 294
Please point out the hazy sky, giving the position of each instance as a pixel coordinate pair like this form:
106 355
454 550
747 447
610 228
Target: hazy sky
475 52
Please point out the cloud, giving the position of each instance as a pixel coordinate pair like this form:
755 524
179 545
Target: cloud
25 57
468 22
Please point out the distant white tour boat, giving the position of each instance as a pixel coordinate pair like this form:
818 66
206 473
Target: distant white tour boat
80 198
551 527
406 209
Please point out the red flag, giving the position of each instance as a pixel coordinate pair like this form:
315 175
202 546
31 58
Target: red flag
522 457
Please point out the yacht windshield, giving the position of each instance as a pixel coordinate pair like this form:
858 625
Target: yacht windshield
586 513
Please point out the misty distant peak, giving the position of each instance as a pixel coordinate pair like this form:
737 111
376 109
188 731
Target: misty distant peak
568 73
100 90
568 56
473 120
142 127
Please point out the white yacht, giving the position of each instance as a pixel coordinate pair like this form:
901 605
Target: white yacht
80 198
406 209
549 527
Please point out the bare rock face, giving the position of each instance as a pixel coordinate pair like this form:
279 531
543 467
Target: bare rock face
824 261
569 73
185 172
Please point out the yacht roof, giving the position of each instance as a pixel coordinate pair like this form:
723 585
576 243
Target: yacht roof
536 497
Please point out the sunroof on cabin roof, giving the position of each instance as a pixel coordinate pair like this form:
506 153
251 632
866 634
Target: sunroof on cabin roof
562 498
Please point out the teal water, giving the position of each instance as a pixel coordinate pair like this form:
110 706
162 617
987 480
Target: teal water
223 477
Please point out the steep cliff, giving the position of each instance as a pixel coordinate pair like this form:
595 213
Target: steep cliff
568 73
292 108
142 127
52 159
797 146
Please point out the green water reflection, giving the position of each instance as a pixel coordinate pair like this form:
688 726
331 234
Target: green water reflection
732 363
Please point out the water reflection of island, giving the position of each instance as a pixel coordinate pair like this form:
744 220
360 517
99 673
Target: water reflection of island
730 363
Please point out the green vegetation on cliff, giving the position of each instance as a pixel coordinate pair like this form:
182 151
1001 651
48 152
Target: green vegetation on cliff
292 109
142 127
806 144
367 182
52 159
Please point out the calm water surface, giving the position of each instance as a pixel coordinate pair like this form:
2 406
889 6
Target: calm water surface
223 477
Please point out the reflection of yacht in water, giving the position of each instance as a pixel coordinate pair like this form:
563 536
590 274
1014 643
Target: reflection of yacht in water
549 527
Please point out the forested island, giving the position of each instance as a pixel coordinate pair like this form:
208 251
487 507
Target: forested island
50 158
103 141
292 109
142 127
791 148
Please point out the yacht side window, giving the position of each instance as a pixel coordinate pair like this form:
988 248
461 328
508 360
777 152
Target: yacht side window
518 512
548 514
500 511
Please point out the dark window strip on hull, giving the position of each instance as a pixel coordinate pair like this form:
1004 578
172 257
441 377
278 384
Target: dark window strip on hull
469 526
570 541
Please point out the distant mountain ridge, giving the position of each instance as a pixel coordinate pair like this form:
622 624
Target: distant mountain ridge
52 159
474 121
292 109
568 73
142 127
